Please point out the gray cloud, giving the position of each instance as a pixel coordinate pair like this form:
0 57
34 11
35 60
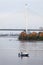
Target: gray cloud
12 13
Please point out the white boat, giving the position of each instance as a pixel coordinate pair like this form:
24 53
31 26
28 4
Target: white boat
23 54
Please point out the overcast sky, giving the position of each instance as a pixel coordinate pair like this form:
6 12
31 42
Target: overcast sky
12 13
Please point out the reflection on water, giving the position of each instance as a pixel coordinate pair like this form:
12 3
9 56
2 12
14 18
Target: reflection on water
28 47
9 52
23 46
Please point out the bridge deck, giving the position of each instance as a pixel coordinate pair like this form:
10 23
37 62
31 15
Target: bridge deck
21 29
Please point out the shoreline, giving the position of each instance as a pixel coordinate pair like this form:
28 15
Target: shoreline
31 37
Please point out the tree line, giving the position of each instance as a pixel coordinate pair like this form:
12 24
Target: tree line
31 36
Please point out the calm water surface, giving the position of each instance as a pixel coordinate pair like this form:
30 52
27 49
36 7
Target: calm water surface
10 47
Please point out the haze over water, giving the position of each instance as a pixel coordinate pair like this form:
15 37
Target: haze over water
10 47
12 16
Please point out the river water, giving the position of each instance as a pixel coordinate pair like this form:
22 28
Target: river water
10 47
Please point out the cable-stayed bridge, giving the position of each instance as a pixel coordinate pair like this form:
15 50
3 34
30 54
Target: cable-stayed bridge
21 29
16 34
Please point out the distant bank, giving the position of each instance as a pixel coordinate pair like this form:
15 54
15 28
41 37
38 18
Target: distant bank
31 36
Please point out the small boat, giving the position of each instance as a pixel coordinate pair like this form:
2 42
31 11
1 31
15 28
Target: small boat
23 54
